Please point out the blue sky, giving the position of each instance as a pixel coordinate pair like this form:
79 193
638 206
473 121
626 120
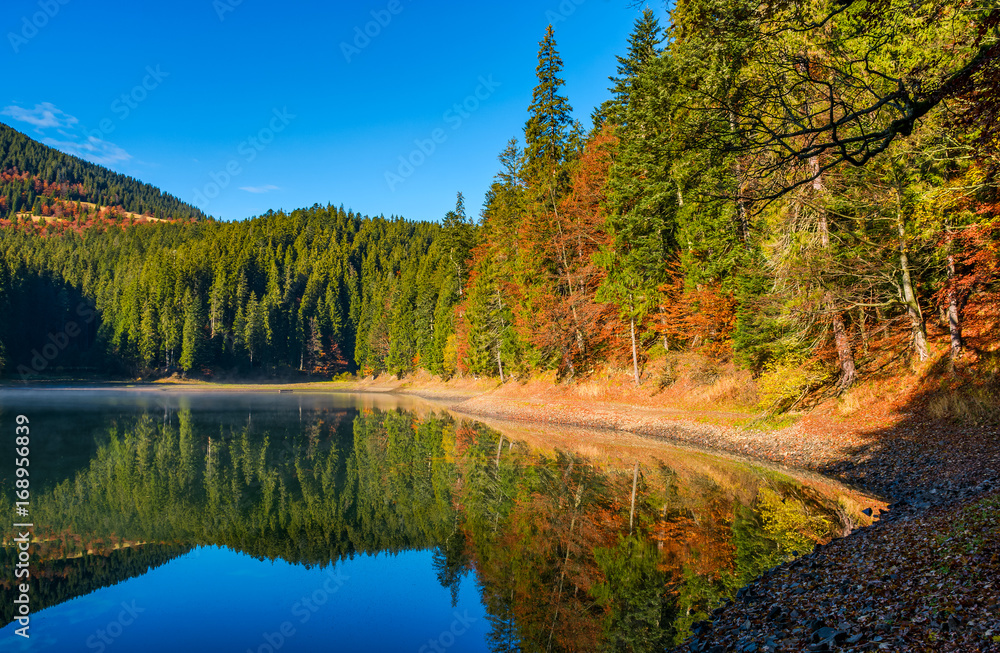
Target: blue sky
240 106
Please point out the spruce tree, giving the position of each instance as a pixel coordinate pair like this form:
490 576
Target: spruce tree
255 331
193 340
458 239
149 341
643 197
643 47
549 132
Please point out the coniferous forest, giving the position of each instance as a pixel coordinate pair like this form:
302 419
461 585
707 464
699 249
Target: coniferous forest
807 190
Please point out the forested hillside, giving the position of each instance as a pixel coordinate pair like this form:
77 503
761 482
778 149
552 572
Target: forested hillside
38 180
807 191
318 290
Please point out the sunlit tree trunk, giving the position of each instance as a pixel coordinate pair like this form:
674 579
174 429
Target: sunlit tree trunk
742 214
562 575
581 344
635 355
919 335
954 316
500 362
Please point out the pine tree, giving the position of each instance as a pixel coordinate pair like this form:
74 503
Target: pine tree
149 340
643 47
549 131
255 332
313 347
643 197
458 238
193 343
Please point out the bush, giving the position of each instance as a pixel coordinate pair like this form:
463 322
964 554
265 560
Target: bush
449 363
704 371
785 381
668 375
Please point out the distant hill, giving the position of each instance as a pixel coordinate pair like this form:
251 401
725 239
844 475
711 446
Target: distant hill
37 180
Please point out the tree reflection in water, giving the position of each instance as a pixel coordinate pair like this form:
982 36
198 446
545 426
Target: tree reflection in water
547 536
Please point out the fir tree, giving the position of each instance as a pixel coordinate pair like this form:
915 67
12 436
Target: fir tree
549 131
193 343
458 239
643 47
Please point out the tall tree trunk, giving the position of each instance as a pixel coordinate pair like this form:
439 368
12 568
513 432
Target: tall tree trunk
954 315
742 215
458 270
635 355
580 342
635 484
845 353
499 337
499 361
562 575
663 314
909 297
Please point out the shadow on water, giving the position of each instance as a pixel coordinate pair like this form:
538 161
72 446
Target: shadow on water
567 554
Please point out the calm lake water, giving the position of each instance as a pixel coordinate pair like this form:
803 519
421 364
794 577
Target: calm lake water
166 521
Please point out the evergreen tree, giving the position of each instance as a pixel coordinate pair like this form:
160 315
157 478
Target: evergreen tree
193 343
458 239
643 47
255 332
149 337
643 197
549 132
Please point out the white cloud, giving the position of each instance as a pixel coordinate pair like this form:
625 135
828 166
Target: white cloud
92 149
259 189
42 116
70 140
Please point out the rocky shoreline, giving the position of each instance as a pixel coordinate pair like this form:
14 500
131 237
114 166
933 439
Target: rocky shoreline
917 580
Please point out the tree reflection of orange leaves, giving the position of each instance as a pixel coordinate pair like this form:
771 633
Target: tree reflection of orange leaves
465 437
704 545
545 551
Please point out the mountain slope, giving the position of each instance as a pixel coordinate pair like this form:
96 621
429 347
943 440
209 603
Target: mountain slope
37 179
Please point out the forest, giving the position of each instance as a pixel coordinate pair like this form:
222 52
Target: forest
804 190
